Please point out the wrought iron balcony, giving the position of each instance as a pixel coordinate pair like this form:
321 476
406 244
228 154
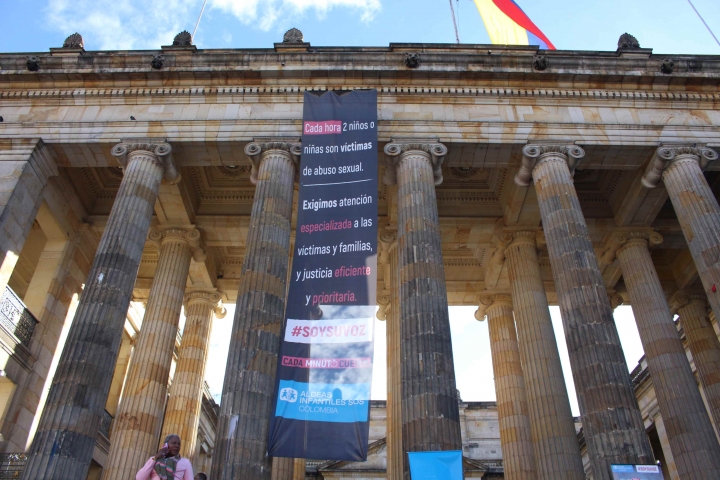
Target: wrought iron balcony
15 318
105 424
12 465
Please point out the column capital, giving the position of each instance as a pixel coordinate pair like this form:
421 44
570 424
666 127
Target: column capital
210 298
667 155
615 299
487 301
155 149
624 237
384 300
161 235
683 298
533 154
256 152
396 150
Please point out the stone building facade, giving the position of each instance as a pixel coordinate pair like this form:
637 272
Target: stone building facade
513 179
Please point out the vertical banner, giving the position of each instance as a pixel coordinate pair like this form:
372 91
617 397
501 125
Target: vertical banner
322 394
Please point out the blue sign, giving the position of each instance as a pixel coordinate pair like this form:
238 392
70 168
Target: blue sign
445 465
322 402
636 472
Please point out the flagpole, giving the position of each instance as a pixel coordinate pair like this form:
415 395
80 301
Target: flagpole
704 23
198 20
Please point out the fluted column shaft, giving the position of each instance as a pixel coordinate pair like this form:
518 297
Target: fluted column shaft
557 453
299 469
429 394
705 349
65 438
515 436
612 422
698 212
252 360
182 414
137 424
283 468
690 433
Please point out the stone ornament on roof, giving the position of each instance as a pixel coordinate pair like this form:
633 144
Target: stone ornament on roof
293 36
667 66
74 41
628 42
182 39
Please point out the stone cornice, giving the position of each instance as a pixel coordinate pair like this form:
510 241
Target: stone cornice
182 93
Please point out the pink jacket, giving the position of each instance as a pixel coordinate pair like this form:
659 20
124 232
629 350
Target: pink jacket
184 471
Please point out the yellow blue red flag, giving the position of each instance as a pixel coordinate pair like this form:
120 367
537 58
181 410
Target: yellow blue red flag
507 24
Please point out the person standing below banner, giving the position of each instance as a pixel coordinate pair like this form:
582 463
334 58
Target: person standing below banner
167 464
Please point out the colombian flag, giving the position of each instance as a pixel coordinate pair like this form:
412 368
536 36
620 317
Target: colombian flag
507 24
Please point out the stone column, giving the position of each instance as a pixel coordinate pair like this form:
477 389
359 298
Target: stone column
65 438
612 422
557 453
137 424
250 376
299 469
515 436
431 419
182 414
690 433
283 468
25 169
703 343
697 209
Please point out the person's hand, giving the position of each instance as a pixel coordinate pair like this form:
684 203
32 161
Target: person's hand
162 452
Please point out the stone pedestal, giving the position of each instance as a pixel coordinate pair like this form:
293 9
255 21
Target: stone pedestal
697 209
182 414
429 394
136 429
65 438
612 423
512 407
249 384
703 343
557 453
692 440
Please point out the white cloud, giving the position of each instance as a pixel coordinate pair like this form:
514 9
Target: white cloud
264 14
122 24
134 24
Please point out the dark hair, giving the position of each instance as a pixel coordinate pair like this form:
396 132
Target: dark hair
201 476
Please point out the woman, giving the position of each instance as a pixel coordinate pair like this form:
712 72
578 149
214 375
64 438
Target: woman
167 464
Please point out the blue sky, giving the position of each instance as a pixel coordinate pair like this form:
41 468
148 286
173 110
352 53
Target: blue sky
667 26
